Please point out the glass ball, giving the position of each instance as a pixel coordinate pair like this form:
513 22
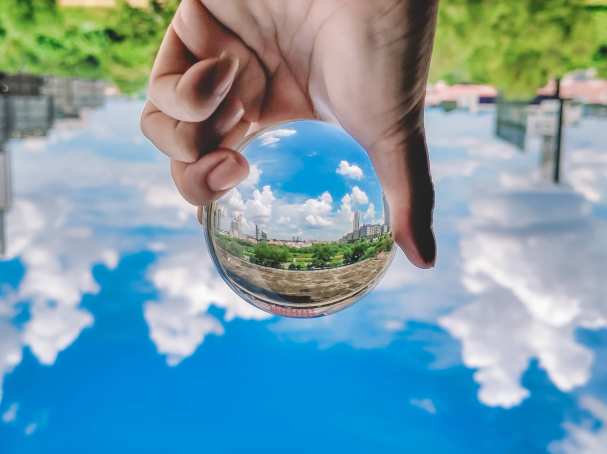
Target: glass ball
308 232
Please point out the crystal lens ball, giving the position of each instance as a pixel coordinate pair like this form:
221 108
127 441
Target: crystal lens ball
308 232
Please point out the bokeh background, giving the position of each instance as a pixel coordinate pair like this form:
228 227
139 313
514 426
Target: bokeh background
116 333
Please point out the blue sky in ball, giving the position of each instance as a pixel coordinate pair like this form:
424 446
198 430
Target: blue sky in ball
301 157
307 179
115 330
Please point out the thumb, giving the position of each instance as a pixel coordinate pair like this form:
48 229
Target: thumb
401 162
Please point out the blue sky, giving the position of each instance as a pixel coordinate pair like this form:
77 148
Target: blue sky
307 179
115 329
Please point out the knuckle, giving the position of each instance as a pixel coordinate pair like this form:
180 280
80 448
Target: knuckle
195 107
143 125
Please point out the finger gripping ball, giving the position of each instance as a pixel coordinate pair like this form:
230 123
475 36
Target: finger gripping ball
308 232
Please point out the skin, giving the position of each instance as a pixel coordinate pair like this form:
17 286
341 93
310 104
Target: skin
226 68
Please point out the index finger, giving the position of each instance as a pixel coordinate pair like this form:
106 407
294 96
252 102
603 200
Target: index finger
188 90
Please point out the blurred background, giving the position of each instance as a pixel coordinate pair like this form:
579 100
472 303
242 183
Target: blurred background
116 332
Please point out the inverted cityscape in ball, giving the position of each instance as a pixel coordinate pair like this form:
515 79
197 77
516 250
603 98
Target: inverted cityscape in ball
308 232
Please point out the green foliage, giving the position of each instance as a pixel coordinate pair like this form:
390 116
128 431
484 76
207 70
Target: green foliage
274 256
231 245
235 246
322 255
365 249
118 45
356 252
314 257
518 45
298 267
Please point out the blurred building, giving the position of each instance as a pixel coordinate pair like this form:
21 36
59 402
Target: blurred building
5 193
101 3
460 96
582 86
294 243
236 226
594 110
365 231
370 231
29 107
542 115
218 216
71 96
24 111
511 123
20 84
260 235
26 116
517 122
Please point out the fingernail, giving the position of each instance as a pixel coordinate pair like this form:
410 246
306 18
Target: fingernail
426 246
224 74
226 175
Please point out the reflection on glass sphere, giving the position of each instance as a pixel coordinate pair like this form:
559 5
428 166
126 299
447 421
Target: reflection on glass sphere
308 233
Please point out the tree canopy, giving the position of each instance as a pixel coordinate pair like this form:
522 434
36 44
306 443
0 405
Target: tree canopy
38 37
516 45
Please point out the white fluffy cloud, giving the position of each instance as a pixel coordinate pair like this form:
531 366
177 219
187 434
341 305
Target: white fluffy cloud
425 404
273 137
54 328
316 210
530 257
349 170
253 178
234 201
10 414
585 437
499 338
356 197
177 330
259 208
359 196
319 221
345 209
189 285
58 256
285 218
369 215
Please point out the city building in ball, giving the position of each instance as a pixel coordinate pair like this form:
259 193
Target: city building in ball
367 231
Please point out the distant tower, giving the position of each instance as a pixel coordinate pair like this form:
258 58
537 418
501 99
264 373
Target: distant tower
217 219
356 224
386 213
257 232
235 226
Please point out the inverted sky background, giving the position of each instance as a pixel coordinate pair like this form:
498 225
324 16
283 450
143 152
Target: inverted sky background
115 329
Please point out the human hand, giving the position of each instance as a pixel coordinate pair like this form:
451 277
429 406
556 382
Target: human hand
228 67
